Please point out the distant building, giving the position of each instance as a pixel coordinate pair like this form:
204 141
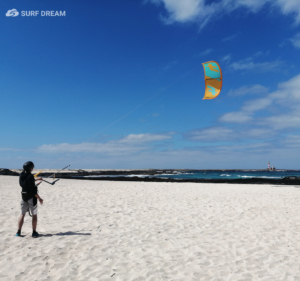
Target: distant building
270 168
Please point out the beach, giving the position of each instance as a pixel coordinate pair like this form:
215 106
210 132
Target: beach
106 230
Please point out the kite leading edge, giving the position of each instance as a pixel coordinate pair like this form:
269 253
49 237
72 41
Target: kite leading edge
213 79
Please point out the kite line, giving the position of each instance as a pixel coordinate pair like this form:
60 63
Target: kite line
128 113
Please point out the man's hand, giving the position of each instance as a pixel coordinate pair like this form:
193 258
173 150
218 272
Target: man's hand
39 179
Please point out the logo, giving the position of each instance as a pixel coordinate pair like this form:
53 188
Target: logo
12 13
15 13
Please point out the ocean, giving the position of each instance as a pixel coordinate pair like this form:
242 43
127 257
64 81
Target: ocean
232 174
212 174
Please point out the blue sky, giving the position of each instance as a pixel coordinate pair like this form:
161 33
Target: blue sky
119 84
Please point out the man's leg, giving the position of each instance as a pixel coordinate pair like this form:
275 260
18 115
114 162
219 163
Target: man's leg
21 221
34 222
24 209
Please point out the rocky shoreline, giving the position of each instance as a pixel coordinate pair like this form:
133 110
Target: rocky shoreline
135 175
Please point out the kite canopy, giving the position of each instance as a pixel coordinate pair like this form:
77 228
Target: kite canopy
213 79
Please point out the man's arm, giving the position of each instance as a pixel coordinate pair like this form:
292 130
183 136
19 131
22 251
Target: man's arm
39 198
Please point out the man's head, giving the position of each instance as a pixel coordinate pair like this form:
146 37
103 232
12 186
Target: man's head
28 166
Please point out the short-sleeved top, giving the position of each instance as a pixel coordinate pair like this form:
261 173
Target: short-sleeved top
27 182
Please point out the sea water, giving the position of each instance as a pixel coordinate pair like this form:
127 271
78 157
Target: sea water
231 174
215 174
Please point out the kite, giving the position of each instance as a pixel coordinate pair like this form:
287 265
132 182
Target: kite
213 79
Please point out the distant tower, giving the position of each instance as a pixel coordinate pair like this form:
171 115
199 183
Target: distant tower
269 167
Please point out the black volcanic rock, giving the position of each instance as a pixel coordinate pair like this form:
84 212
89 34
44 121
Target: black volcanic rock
229 181
292 178
8 172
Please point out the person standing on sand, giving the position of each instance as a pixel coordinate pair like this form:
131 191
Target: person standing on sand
29 197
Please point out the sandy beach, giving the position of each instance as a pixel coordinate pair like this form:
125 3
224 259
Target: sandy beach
105 230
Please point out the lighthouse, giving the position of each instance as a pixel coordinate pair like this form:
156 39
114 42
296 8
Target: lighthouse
269 167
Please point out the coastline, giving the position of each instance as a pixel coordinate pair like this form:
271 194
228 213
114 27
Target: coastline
147 175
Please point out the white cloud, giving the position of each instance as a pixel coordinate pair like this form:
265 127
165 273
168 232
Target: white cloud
282 153
231 37
258 104
183 11
143 138
288 93
249 64
211 134
286 101
254 89
296 40
260 53
241 156
290 7
282 121
258 133
253 5
219 134
292 141
206 52
111 148
227 58
129 144
236 117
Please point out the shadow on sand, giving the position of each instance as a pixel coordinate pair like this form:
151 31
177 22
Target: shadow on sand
68 233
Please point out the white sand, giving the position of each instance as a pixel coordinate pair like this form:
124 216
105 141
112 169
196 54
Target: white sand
104 230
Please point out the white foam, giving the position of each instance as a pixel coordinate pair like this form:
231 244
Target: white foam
262 177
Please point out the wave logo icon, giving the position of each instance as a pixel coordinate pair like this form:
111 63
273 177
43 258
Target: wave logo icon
12 13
